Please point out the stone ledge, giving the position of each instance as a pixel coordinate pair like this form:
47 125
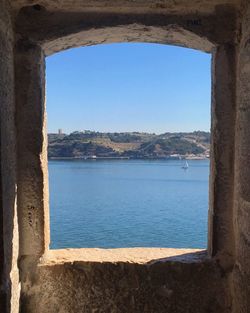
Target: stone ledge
124 255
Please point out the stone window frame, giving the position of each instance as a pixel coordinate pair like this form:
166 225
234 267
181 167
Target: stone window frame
41 34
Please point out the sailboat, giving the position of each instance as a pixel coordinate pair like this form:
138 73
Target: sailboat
185 166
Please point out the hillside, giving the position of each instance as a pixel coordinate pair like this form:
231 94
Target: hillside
90 144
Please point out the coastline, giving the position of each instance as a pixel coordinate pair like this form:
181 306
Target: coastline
129 158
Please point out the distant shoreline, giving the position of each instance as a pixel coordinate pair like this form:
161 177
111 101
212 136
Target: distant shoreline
89 145
127 158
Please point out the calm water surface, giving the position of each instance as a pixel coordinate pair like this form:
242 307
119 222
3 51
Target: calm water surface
128 203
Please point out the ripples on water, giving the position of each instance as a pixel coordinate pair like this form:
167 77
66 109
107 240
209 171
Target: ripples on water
128 203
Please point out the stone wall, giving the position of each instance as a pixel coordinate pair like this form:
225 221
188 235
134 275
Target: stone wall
122 280
10 277
241 280
41 30
126 281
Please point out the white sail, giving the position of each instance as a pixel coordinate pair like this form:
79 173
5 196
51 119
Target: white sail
185 166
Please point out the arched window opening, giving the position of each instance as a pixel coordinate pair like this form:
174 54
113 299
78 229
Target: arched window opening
128 146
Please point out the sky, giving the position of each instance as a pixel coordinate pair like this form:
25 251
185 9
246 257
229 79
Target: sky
128 87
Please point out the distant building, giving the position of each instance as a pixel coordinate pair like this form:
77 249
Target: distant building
60 131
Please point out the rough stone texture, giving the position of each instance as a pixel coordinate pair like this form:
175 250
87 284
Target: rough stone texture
9 288
126 280
57 31
32 150
221 229
127 255
242 181
131 6
2 278
122 280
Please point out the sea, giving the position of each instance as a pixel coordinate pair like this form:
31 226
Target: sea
128 203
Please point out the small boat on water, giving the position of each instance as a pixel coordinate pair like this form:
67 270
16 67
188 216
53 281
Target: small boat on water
185 166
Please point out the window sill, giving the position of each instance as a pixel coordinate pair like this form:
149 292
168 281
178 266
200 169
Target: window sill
124 255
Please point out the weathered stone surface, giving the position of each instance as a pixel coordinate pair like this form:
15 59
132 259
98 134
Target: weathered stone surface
59 30
173 6
126 280
242 172
127 255
9 285
32 190
122 280
222 155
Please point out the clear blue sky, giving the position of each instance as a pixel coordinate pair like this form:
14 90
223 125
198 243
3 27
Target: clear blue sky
129 87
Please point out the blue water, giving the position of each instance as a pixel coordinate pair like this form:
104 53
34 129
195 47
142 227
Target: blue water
128 203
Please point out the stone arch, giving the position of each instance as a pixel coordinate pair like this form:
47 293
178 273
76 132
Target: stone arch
46 27
62 30
171 34
42 33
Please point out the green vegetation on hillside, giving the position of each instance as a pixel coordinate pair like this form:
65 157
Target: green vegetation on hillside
89 144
